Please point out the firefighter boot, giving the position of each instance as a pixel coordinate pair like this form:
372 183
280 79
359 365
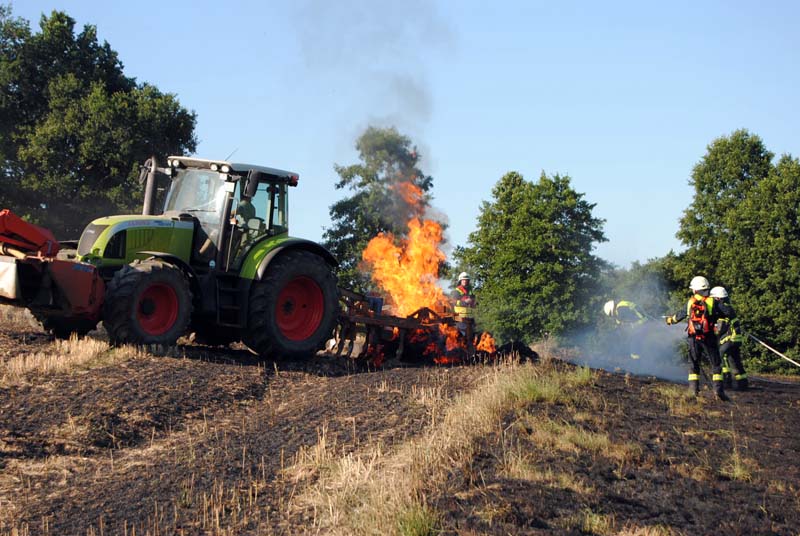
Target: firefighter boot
741 382
719 390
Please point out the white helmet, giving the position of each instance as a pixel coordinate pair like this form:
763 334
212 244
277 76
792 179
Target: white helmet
698 283
463 275
719 292
608 308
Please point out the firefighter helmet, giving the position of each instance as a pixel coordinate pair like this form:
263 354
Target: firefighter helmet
698 283
463 275
608 308
719 292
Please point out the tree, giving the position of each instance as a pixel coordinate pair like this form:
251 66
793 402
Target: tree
376 204
74 127
761 262
732 166
742 232
531 257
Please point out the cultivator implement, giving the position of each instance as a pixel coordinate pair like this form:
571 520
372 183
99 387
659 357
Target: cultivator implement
365 333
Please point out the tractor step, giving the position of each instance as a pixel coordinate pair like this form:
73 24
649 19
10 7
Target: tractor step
228 301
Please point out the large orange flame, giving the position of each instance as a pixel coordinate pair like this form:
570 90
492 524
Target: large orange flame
407 269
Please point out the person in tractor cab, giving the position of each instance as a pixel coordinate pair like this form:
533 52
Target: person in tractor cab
702 311
730 340
245 211
628 318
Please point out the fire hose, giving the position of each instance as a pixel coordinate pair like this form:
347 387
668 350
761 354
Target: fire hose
770 348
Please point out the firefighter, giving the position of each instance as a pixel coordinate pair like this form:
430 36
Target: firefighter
465 311
628 318
465 301
730 339
701 313
624 313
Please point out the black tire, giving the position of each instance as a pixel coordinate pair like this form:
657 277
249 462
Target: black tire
62 327
147 302
294 308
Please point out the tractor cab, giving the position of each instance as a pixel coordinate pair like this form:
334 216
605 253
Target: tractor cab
233 207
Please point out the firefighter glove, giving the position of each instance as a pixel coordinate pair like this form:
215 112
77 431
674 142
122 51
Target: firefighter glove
670 320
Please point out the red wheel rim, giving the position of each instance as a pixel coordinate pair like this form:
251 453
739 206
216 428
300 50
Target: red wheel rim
157 309
300 308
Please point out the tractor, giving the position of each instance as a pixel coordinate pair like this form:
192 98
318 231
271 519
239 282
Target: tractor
217 261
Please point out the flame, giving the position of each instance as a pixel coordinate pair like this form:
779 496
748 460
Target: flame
451 335
486 344
407 269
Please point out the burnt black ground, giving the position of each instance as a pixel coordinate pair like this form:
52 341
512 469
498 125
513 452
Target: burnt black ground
172 444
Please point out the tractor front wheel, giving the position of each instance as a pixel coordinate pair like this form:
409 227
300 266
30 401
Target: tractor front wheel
294 308
147 302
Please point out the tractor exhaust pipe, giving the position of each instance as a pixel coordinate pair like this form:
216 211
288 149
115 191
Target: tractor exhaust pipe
148 175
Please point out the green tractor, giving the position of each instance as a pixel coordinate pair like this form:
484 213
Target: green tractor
218 261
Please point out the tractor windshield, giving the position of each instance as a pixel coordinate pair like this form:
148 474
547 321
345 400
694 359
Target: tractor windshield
199 192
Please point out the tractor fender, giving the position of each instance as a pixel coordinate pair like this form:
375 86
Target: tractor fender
176 261
295 243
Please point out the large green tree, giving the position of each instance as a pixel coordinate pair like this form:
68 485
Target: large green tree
732 166
532 259
375 203
742 232
74 128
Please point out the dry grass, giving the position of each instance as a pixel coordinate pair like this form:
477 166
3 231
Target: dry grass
519 463
65 356
590 522
679 401
376 493
655 530
17 316
737 467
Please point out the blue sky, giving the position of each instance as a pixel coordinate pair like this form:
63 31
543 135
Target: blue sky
623 97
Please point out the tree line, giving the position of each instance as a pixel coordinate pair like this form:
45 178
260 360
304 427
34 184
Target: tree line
74 129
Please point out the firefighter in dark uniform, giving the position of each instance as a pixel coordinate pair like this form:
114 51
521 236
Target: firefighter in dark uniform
628 318
730 340
701 311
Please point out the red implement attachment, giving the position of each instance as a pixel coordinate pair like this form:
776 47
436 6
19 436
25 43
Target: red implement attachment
31 276
26 237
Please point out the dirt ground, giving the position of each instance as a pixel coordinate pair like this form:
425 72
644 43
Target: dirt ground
196 442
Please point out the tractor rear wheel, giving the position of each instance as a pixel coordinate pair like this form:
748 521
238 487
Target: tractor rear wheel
147 302
294 308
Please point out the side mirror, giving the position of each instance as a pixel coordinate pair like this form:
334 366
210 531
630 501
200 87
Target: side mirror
253 178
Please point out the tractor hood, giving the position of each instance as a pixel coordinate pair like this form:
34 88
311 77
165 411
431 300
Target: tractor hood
116 240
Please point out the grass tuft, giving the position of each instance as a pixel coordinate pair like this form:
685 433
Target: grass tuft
416 520
737 467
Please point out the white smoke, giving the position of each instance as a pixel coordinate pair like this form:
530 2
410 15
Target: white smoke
650 349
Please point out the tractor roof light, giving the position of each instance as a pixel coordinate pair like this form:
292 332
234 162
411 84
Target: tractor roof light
214 167
226 168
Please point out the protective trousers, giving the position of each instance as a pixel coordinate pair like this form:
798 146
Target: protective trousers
733 350
698 350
